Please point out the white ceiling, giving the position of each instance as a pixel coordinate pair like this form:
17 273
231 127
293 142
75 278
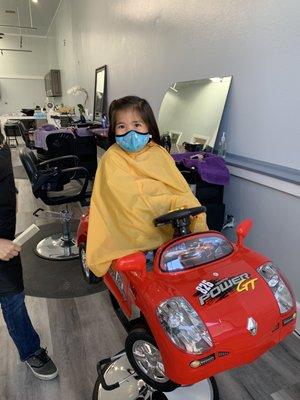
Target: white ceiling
42 14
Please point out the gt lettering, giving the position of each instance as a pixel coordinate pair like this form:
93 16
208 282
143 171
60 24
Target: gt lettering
246 284
210 291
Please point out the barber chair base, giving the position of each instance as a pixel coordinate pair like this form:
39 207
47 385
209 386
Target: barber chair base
55 247
132 387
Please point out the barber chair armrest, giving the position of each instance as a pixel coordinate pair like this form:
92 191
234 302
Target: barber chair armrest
89 193
85 202
59 159
86 177
42 192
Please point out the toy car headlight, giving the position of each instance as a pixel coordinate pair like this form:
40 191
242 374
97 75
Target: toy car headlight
271 275
184 326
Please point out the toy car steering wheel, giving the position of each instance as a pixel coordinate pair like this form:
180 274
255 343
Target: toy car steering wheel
180 219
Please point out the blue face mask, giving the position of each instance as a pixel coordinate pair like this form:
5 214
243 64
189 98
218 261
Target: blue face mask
133 141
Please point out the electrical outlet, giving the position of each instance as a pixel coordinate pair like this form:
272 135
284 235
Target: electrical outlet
229 222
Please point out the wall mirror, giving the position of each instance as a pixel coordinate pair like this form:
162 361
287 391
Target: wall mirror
100 93
192 111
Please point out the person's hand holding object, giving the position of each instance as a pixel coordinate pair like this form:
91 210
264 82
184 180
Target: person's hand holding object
8 249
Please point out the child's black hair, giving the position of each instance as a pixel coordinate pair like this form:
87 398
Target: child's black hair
142 107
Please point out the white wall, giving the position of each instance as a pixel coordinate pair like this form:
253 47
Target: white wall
275 231
148 44
22 74
20 93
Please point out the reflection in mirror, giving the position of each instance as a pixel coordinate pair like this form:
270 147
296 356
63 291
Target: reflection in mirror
191 111
100 94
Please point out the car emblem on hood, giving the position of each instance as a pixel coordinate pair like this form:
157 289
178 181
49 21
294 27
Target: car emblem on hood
252 326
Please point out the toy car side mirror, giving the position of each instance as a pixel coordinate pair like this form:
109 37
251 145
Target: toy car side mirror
242 231
132 262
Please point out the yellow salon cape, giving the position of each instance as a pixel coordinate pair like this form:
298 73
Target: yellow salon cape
130 190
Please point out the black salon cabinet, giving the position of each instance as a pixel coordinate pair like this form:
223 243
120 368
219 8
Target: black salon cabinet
210 195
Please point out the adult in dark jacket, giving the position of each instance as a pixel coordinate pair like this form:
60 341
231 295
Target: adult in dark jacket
12 295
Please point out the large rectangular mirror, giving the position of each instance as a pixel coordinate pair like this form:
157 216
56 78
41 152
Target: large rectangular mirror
192 111
100 95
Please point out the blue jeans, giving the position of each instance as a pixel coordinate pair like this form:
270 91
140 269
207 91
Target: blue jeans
19 325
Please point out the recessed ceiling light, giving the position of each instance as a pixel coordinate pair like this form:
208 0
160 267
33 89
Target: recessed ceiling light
35 1
216 79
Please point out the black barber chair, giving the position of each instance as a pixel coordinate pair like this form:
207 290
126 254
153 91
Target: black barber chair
68 143
49 185
12 130
60 144
86 151
209 195
62 162
25 135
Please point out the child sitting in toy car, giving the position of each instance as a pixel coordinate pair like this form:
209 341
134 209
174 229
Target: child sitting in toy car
136 181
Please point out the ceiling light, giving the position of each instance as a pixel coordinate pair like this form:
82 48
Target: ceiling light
216 79
35 1
173 87
23 51
17 26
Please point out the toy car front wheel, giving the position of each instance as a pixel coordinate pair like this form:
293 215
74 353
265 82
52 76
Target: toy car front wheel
86 272
145 358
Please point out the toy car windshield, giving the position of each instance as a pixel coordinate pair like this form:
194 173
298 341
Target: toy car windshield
194 251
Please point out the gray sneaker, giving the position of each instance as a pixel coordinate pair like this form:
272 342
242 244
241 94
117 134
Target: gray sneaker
42 366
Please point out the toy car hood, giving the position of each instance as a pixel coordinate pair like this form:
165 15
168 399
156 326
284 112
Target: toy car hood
229 295
234 302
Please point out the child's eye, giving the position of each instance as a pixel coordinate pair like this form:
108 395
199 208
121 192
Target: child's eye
120 126
137 125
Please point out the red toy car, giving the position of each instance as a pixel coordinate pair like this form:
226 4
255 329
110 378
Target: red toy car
203 305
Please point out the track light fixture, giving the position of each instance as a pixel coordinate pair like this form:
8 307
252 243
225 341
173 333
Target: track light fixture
23 51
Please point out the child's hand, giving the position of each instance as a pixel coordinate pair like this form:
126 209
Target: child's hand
8 249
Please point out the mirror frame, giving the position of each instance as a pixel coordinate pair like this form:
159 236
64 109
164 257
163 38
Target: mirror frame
104 107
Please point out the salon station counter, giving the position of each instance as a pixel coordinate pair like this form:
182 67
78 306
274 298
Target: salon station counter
207 174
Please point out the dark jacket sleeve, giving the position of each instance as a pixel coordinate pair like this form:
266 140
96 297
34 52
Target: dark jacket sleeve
7 195
11 280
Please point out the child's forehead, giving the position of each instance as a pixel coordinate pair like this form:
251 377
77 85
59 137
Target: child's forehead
130 113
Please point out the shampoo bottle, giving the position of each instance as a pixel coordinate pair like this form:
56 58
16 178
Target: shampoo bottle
222 146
